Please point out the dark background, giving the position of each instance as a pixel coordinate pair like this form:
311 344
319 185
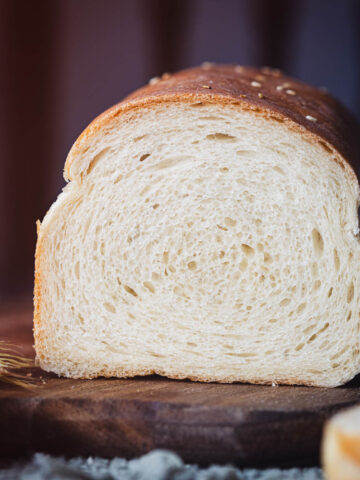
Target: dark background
62 62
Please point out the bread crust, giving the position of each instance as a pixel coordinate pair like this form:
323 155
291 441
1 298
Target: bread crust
308 110
141 372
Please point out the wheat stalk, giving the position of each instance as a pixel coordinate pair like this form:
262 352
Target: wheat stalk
10 363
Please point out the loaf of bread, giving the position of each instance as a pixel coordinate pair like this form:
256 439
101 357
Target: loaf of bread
341 446
209 231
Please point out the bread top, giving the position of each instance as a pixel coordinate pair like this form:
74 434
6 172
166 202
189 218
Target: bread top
268 92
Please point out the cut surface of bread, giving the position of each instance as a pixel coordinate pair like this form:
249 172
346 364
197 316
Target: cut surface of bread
341 446
204 239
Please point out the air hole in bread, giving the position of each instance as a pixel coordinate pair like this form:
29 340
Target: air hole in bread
299 347
130 290
336 260
317 285
241 181
144 157
246 153
318 242
338 354
137 139
279 170
312 338
349 316
309 329
180 291
165 257
169 163
249 251
77 270
284 302
144 190
222 137
110 307
267 258
230 222
224 169
350 293
96 160
243 264
222 228
149 286
191 265
330 292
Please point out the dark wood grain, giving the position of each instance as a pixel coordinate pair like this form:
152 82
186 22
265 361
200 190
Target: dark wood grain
205 423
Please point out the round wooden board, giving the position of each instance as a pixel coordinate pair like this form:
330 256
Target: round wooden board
248 425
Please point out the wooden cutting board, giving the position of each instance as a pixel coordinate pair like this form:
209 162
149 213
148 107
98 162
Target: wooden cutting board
247 425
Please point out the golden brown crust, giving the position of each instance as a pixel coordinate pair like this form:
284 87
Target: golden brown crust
265 91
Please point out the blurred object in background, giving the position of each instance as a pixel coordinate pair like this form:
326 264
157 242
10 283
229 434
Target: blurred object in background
64 61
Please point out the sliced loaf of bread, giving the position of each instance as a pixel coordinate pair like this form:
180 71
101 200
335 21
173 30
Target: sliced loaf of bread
209 230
